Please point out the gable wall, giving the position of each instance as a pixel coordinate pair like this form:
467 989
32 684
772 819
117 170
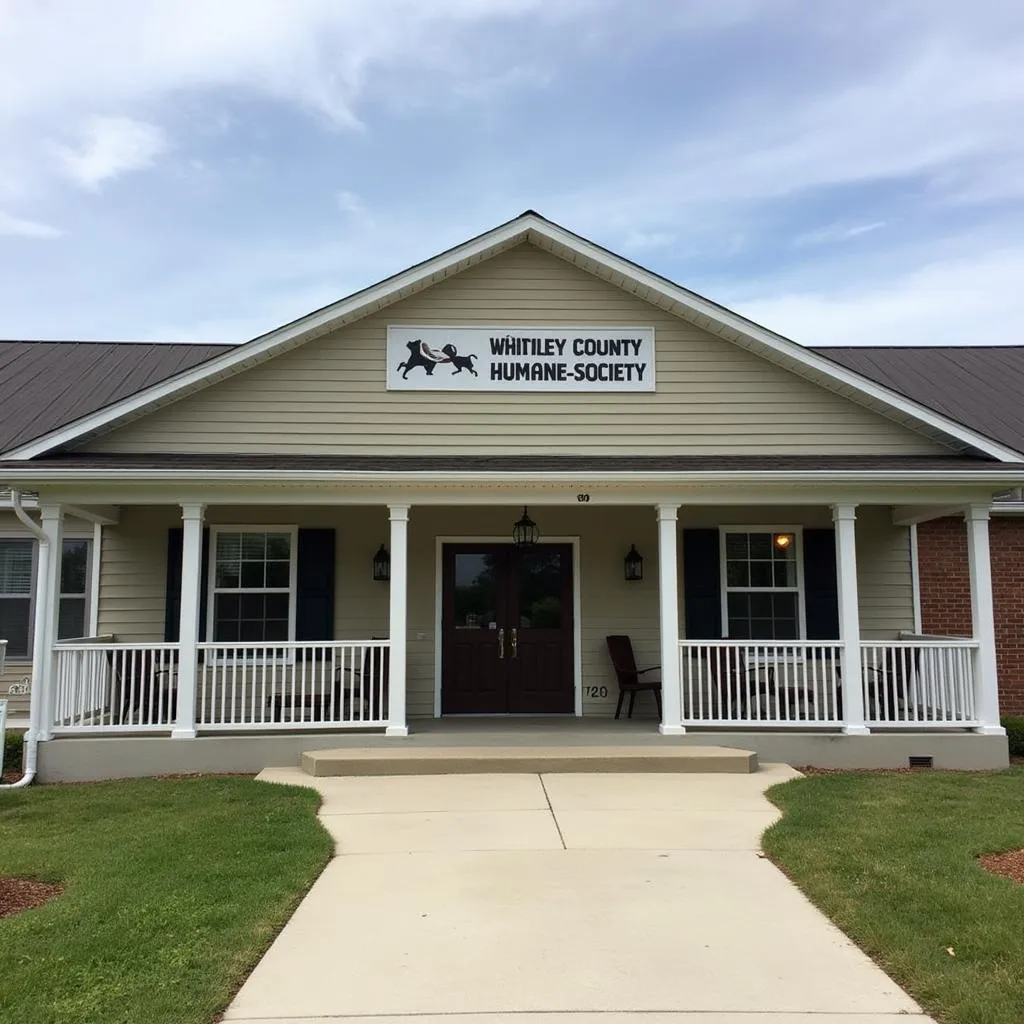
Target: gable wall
329 397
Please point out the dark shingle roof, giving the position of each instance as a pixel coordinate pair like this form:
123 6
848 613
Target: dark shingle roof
980 386
48 384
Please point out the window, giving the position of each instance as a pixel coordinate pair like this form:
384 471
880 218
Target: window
74 583
18 586
762 585
253 585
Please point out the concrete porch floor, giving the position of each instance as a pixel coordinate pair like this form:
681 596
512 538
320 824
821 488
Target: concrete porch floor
79 759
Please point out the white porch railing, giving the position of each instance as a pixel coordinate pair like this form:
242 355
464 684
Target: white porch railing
114 687
760 683
921 683
292 685
104 686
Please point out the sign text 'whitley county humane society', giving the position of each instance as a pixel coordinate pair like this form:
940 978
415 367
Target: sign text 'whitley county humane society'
520 358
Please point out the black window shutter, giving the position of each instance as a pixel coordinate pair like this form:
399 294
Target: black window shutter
172 600
314 603
702 585
821 590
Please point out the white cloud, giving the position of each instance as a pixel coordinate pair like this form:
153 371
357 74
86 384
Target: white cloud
976 300
837 233
352 204
19 227
109 146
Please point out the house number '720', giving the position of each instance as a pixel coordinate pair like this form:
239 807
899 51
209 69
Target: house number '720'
595 691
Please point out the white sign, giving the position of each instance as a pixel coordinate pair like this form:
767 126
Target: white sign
520 358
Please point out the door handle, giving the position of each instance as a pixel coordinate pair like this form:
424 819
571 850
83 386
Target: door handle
501 644
515 643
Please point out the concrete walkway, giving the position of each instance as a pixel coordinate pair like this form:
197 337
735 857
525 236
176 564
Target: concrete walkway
487 896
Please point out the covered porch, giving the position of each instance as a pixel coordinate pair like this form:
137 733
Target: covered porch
380 663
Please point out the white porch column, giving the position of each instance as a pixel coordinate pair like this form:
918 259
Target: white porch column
399 597
668 603
47 616
188 622
986 683
845 518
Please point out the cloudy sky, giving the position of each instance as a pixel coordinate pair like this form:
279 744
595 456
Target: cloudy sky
844 172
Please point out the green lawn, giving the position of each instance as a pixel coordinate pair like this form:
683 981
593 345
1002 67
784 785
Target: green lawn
174 890
891 859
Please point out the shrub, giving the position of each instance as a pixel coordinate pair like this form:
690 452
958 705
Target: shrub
12 753
1015 734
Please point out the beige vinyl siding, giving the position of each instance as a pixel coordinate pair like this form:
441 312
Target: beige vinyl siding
132 587
329 396
884 575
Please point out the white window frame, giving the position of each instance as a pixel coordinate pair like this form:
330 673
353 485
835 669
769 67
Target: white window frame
798 540
90 582
87 593
293 578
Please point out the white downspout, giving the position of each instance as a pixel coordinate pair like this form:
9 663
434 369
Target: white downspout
38 645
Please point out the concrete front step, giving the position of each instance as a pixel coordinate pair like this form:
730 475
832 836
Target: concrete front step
463 760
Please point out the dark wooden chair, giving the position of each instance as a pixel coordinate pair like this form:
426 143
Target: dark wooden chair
621 650
142 687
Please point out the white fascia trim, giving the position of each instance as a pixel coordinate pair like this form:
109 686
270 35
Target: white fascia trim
377 296
996 477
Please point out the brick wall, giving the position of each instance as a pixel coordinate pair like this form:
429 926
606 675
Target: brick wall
946 593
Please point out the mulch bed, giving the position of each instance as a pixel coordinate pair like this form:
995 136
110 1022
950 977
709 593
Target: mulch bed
1009 865
18 894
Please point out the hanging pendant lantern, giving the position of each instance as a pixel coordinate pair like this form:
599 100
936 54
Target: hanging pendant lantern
525 533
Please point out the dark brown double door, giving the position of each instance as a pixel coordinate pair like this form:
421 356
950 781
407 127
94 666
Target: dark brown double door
507 630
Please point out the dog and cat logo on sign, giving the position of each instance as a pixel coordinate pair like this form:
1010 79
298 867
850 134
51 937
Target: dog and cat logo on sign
422 355
520 358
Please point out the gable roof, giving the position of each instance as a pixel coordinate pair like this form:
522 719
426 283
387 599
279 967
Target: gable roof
529 227
47 385
981 386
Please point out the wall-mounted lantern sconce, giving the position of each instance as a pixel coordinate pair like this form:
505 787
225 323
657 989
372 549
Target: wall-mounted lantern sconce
382 565
634 564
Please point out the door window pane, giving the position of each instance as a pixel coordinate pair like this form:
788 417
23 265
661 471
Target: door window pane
476 586
540 588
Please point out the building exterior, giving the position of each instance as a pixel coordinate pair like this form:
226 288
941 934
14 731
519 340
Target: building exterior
312 533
